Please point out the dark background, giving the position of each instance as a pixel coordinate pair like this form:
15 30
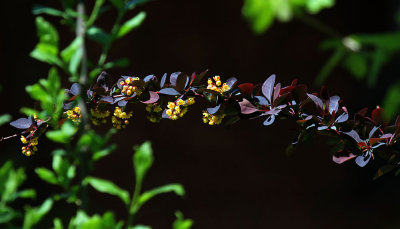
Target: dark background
238 177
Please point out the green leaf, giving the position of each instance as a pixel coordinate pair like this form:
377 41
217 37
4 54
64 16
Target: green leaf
131 24
5 118
142 160
139 226
6 214
391 102
356 64
63 135
180 222
46 175
34 215
75 61
117 3
27 194
314 6
57 223
98 35
69 51
108 187
260 14
120 63
104 152
28 111
38 9
47 48
146 196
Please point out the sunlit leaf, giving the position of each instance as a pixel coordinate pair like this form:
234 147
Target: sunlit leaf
131 24
108 187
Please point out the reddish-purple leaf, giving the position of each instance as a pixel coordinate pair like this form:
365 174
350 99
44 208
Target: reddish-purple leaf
153 97
363 160
247 108
340 160
277 90
268 87
22 123
182 81
246 88
200 77
342 118
169 91
262 100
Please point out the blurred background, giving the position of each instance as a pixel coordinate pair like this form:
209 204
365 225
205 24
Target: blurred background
237 177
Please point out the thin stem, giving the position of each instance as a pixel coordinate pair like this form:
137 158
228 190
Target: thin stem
316 24
134 207
85 124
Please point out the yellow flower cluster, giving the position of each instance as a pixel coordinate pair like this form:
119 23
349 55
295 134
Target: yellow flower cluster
212 119
74 114
217 86
30 148
98 117
175 111
154 113
128 88
120 118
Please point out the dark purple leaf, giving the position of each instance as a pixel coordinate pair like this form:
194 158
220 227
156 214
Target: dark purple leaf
342 118
247 108
75 89
122 103
153 97
119 83
269 120
275 110
213 110
200 77
324 93
107 99
246 88
182 81
334 104
68 106
316 100
164 114
363 160
116 100
373 130
173 78
262 100
22 123
163 79
231 82
268 87
102 80
169 91
149 77
353 134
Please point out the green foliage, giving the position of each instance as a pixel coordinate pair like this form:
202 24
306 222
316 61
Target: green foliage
50 95
392 101
47 48
131 24
180 222
146 196
62 135
262 13
4 118
142 160
83 221
108 187
34 215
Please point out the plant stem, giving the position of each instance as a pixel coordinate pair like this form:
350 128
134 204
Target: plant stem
316 24
85 125
134 207
112 37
